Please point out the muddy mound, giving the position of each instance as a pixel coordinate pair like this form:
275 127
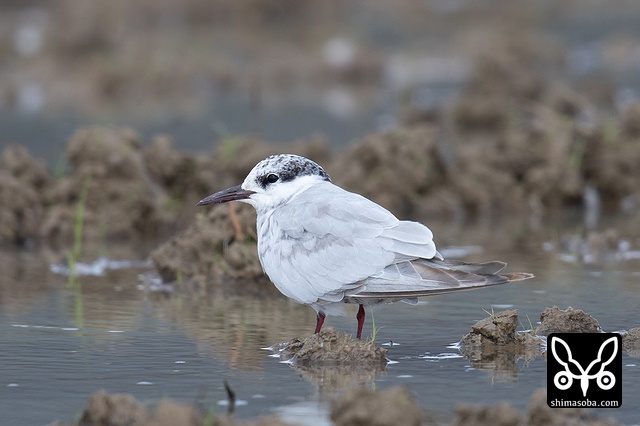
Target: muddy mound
494 344
17 161
554 320
330 347
506 76
104 408
183 176
631 342
498 329
542 162
23 185
219 246
393 406
502 414
132 192
333 361
357 406
395 169
122 201
20 212
522 141
511 143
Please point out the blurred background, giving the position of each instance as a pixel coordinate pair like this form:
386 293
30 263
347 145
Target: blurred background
200 70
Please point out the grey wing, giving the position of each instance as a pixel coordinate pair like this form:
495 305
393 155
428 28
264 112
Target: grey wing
422 277
333 241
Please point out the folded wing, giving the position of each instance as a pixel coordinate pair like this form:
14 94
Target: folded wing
335 244
422 277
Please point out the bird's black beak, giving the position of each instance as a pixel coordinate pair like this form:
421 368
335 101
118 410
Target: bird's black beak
229 194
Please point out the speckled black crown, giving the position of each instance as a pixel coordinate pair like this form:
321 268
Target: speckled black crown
288 167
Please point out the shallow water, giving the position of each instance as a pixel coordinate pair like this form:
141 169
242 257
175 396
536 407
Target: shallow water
60 345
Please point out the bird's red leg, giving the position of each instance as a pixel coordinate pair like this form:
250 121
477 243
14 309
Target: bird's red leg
360 318
319 322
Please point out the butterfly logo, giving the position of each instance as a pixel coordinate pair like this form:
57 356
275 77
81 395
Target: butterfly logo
564 379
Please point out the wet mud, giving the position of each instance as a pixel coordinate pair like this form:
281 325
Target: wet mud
498 341
122 201
24 183
332 360
215 248
555 320
494 344
631 342
393 406
330 347
106 409
356 406
136 190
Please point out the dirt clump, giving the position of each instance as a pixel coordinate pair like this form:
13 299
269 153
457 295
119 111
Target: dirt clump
554 320
494 344
32 172
333 360
498 329
370 167
121 198
354 406
20 212
104 408
212 250
502 414
521 142
393 406
24 182
330 347
506 77
183 176
631 342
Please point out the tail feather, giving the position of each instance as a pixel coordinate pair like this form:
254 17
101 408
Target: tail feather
518 276
486 268
422 277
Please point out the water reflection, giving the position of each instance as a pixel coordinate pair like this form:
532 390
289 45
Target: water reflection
501 362
329 379
22 279
235 328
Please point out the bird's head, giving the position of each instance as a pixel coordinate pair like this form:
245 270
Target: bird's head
272 181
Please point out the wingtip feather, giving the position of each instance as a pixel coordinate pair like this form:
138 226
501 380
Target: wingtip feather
518 276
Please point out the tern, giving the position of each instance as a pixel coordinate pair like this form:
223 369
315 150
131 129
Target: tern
323 246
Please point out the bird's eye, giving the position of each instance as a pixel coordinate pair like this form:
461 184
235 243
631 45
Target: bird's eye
272 178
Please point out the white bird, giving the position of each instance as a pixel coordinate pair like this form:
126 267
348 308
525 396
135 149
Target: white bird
324 246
